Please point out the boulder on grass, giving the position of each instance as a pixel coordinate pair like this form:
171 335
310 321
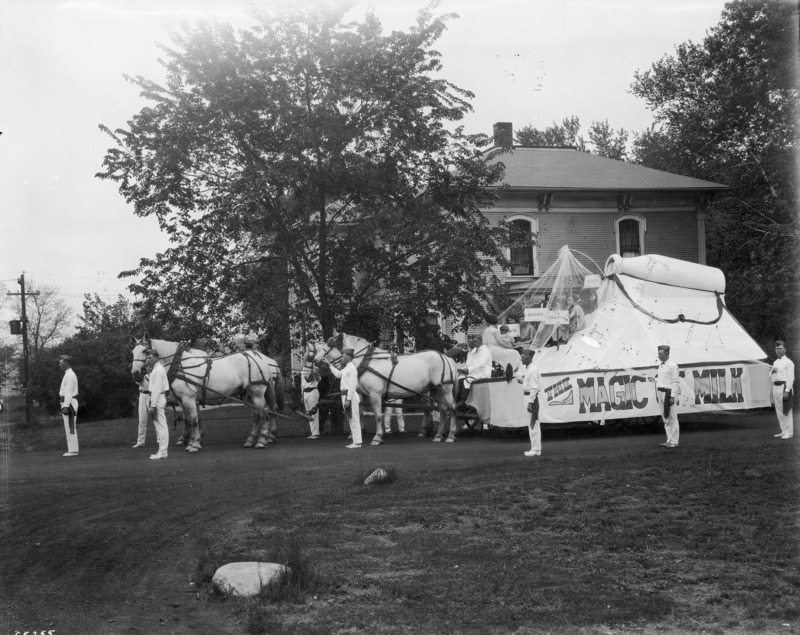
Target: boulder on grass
245 578
378 476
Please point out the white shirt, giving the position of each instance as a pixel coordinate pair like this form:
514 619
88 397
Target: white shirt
532 383
158 385
69 389
308 378
783 370
479 362
668 377
577 318
348 378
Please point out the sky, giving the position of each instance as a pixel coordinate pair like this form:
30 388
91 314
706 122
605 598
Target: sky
61 76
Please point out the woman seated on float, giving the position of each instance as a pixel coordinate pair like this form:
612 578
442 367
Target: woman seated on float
502 350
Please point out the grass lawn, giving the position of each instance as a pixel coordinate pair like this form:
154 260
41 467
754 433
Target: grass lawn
47 433
701 541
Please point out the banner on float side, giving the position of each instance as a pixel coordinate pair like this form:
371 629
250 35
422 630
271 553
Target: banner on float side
624 394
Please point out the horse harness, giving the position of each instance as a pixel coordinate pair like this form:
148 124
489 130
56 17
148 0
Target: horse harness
364 366
177 370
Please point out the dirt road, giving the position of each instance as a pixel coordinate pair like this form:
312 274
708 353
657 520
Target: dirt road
108 542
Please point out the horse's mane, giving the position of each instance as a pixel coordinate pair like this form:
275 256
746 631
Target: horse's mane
173 346
363 345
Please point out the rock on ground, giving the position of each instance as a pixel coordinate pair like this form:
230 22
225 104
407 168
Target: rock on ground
245 578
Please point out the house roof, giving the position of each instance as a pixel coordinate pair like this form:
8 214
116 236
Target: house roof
559 168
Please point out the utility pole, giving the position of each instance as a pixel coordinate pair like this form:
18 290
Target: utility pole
25 359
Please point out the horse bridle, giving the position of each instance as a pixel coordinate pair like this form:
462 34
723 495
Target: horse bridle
359 353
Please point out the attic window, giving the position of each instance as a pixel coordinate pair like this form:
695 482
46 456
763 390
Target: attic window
630 230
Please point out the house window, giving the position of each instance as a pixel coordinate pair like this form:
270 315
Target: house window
630 230
523 257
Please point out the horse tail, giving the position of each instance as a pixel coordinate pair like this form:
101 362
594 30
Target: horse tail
279 390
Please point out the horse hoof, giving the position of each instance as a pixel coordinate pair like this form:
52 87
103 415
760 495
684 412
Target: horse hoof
437 439
421 435
191 448
248 444
270 441
374 442
260 446
449 440
179 442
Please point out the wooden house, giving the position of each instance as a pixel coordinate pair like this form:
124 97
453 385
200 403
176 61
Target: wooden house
597 206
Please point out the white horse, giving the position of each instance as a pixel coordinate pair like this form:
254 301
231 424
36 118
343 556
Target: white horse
195 378
383 375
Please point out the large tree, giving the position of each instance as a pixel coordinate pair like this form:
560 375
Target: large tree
567 133
603 139
307 162
726 111
101 352
49 317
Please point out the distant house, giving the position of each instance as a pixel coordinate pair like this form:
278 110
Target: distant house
597 206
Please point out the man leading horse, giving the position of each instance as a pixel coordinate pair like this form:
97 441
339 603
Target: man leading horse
383 375
249 377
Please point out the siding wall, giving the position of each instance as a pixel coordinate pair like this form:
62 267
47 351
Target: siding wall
585 222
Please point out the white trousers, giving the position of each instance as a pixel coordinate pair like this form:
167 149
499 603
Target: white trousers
397 413
162 431
310 400
535 434
784 421
534 429
144 416
671 426
355 416
72 437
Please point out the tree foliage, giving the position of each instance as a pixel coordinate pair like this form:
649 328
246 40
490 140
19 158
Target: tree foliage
9 363
603 140
102 318
567 133
304 172
607 142
102 364
49 317
726 111
101 352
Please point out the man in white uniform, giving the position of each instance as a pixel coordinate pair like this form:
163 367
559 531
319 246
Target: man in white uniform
144 410
351 400
309 384
667 391
477 366
68 397
782 376
531 385
159 387
396 412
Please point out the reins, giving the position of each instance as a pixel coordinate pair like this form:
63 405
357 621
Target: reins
367 354
178 370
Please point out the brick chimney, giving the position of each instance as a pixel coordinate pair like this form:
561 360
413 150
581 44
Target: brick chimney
503 134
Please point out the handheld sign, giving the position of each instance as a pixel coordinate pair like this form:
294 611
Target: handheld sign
557 317
535 314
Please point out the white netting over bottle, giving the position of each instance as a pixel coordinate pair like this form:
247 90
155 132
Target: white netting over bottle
563 288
